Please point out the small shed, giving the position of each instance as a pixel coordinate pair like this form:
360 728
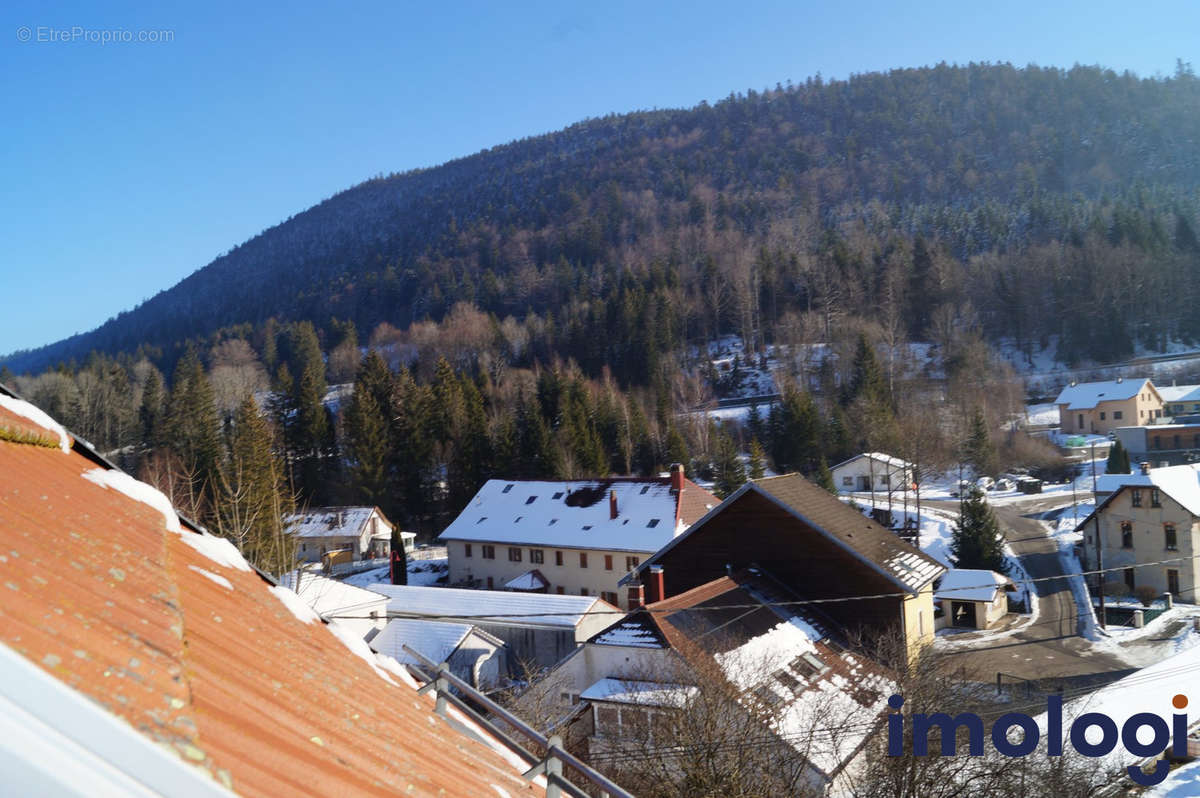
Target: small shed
972 598
473 655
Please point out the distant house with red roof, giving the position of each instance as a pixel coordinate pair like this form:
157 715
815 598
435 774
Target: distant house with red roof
142 655
574 537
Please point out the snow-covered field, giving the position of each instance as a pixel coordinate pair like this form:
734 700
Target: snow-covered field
1184 782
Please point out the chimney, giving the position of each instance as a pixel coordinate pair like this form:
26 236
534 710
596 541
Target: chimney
635 593
654 588
1144 467
612 504
676 477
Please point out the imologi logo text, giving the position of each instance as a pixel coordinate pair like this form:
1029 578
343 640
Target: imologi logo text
1163 733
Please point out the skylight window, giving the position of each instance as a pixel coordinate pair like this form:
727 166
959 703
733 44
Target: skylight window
519 517
531 500
587 526
557 495
507 488
553 521
481 520
653 523
644 489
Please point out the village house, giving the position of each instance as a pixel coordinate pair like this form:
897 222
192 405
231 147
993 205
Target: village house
1180 400
814 544
140 655
572 537
362 531
1145 519
875 472
740 638
1161 444
972 598
538 629
1096 408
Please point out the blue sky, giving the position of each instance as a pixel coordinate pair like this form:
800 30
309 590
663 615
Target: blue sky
128 165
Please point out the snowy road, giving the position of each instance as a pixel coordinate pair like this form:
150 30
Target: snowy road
1051 648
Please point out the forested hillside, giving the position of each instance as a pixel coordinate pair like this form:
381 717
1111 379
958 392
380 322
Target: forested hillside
1024 203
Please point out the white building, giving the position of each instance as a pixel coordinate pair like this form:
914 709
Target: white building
972 598
363 611
476 657
362 530
873 471
538 629
573 537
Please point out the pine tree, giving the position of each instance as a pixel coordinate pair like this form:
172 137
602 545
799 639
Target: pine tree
978 541
192 427
1118 460
677 449
367 450
825 477
254 500
729 473
978 449
758 460
755 425
866 376
150 414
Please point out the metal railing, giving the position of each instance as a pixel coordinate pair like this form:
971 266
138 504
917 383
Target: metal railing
550 765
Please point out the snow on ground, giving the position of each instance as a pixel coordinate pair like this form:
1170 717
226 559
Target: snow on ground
421 573
1145 646
1042 415
1183 782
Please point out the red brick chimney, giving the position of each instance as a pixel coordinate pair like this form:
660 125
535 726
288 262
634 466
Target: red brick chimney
676 477
654 586
612 504
635 594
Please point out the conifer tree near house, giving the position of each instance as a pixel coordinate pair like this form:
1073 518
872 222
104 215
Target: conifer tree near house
366 436
978 449
254 499
729 473
825 477
399 562
677 451
758 459
1118 460
150 414
978 541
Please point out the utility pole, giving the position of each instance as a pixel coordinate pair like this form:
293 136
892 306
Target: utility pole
1099 541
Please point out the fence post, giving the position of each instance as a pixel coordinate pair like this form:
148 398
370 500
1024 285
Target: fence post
553 767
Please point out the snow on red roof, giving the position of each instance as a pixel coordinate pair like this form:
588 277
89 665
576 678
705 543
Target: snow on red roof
165 632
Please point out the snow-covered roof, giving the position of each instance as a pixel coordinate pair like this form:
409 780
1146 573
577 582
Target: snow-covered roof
878 457
1086 395
575 514
330 596
627 691
1181 483
781 655
970 584
530 580
498 606
628 633
436 640
330 522
1179 393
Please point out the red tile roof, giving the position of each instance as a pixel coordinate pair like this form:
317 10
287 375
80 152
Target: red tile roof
98 594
